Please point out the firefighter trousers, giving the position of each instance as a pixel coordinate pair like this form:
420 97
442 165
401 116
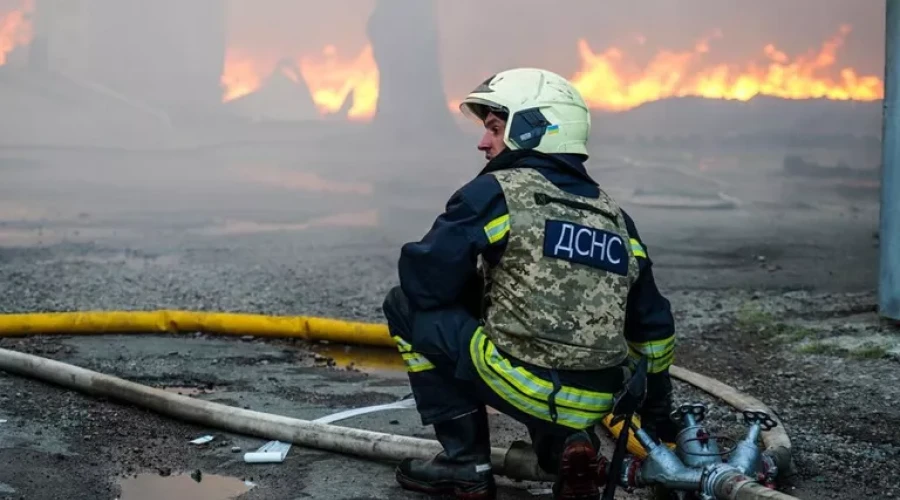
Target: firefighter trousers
455 369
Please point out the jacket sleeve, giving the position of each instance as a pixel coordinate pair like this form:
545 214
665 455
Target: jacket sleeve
649 325
439 270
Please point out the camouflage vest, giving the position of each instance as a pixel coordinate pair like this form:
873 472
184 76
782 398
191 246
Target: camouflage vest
557 298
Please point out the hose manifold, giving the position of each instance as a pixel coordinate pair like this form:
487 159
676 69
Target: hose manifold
712 476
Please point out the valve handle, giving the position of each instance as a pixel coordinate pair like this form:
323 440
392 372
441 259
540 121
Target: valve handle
761 418
697 410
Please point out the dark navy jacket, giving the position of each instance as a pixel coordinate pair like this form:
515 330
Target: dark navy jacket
436 271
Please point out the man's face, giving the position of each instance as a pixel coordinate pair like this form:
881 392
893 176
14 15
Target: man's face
492 140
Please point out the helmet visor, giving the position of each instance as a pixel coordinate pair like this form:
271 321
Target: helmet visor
477 109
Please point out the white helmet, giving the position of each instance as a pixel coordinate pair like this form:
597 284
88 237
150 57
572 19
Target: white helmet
544 111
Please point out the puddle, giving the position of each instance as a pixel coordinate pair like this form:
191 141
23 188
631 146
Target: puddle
367 218
182 487
385 363
373 360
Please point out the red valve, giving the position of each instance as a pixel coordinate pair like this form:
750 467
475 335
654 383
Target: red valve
703 437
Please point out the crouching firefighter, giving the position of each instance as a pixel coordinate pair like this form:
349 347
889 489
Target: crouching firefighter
532 294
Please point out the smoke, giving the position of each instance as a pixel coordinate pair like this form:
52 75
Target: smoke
479 38
288 27
170 54
119 103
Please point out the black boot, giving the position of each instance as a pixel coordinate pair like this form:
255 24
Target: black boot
578 476
463 469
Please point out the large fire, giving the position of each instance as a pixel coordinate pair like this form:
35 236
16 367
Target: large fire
607 79
243 74
15 29
331 78
608 82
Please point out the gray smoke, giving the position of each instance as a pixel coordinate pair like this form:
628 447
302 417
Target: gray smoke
116 105
479 38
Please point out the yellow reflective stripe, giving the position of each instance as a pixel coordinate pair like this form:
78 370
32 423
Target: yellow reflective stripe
415 362
510 395
637 248
535 387
497 228
653 365
662 364
419 366
402 345
654 348
565 416
660 353
539 409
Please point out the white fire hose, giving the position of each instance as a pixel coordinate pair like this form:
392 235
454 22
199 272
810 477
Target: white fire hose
516 462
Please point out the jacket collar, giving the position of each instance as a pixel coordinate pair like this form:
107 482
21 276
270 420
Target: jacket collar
565 163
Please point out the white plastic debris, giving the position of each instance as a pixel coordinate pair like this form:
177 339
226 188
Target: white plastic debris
202 440
343 415
276 451
271 452
2 421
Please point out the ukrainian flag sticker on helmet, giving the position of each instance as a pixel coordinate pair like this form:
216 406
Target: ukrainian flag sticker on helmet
552 129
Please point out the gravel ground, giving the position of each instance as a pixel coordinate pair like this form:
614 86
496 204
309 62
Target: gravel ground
775 302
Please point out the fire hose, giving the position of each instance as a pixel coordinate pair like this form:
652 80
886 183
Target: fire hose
694 466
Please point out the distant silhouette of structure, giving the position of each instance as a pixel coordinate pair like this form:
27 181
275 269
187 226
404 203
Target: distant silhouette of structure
283 96
411 99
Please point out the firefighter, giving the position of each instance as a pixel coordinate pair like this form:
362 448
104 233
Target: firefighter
533 294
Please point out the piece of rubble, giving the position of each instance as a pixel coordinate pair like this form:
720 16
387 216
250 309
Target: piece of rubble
202 439
271 452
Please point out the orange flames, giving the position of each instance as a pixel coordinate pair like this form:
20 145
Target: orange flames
242 75
608 82
15 29
607 79
331 79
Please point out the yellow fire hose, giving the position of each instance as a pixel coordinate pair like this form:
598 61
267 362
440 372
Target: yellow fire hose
301 327
172 321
